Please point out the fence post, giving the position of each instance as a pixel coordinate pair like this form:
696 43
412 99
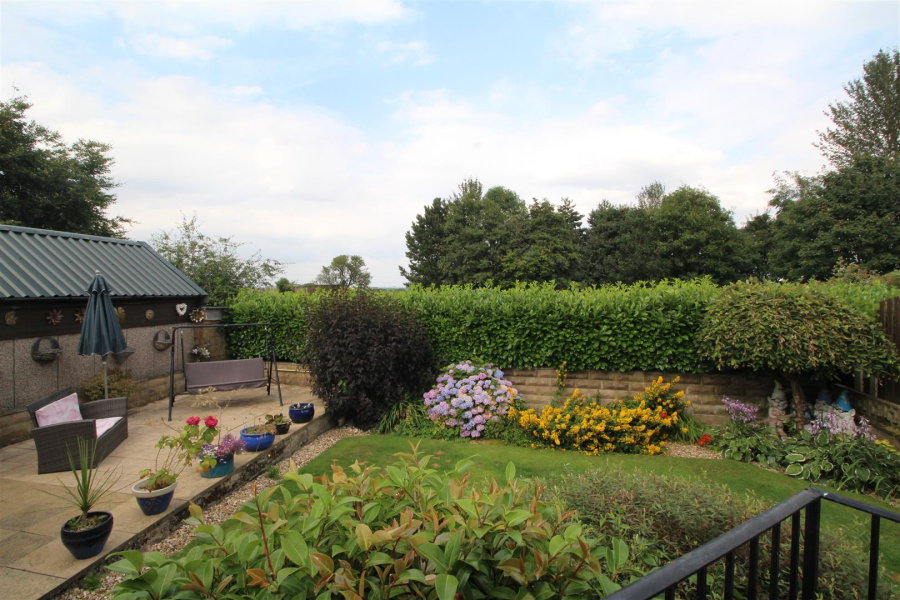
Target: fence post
811 550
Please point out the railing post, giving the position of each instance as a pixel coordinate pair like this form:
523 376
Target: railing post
811 550
873 557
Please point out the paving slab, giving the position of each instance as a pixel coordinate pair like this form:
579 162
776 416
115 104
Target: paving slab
24 585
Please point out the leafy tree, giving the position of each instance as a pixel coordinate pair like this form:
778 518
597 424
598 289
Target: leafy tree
426 244
284 285
851 214
793 330
345 271
869 123
549 248
695 236
213 262
757 238
651 196
47 184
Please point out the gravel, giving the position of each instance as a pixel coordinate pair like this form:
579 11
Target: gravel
691 451
218 512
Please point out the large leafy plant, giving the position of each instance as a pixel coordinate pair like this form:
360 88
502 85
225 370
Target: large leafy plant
365 351
402 531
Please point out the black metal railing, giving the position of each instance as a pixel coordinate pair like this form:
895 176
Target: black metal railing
801 581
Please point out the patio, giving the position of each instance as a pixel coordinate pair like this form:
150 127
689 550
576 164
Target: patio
33 561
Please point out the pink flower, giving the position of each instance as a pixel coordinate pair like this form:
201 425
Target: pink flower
211 421
193 421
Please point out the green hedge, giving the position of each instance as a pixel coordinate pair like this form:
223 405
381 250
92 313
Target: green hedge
615 328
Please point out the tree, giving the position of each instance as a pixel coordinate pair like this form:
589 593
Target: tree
794 330
549 248
695 237
757 238
47 184
426 244
213 262
651 196
345 271
869 123
851 214
284 285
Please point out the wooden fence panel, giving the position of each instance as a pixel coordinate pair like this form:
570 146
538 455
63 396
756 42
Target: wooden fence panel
889 315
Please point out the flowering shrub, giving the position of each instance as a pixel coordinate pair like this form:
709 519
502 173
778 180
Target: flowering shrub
740 412
212 454
638 425
467 397
705 439
830 423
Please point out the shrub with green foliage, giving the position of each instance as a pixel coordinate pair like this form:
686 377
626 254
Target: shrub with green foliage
793 329
365 352
662 517
614 327
402 531
120 384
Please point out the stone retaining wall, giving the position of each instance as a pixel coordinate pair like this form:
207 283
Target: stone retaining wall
538 388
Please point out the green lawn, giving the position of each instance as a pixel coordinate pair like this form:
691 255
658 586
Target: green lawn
491 460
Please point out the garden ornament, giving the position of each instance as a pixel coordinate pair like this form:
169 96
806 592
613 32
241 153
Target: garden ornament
843 401
824 396
777 403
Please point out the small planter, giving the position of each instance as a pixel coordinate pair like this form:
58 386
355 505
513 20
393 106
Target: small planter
222 468
155 502
302 412
257 442
214 313
282 428
87 543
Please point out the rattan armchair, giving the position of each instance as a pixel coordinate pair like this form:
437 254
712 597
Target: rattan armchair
52 441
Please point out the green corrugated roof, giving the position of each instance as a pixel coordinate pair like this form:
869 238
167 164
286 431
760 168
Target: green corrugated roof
37 263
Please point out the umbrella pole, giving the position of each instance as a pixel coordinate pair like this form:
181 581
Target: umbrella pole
105 383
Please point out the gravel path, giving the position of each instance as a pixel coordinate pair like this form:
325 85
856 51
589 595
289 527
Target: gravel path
218 512
691 451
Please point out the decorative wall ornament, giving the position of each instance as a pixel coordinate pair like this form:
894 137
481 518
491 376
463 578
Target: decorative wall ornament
181 309
54 317
79 315
198 315
162 340
149 315
120 314
45 350
11 318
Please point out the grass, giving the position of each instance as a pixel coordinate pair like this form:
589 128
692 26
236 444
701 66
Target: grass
491 460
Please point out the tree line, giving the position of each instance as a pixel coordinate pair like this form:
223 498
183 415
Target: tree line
849 215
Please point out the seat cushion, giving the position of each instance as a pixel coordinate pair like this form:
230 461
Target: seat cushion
63 410
104 425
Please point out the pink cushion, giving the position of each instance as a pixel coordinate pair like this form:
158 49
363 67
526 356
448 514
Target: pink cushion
104 425
63 410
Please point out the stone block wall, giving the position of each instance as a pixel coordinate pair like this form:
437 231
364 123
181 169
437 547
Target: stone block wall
538 388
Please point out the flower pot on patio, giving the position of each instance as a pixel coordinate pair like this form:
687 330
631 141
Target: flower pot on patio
282 428
224 466
258 438
302 412
153 502
86 543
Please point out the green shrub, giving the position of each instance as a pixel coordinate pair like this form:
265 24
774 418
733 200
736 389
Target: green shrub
402 531
665 517
120 383
364 352
287 313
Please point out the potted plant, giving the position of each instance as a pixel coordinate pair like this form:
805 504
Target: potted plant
217 460
302 412
258 437
86 534
282 425
156 488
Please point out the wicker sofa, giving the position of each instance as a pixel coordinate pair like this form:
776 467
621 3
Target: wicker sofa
51 441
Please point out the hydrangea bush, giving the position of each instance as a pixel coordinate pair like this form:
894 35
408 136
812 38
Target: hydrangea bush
468 396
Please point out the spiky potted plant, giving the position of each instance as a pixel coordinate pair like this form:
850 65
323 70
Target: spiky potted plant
85 534
282 425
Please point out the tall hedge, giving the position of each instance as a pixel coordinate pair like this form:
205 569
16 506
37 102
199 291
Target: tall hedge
615 327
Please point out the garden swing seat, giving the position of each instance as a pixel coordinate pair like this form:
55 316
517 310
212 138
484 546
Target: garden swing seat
225 375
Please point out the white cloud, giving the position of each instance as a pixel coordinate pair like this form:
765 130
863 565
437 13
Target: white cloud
196 48
415 53
246 90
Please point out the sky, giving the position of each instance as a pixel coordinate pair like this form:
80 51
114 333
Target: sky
306 130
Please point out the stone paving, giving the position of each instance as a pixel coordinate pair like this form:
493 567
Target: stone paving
33 561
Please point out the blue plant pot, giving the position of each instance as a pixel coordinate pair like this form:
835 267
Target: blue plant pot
302 412
155 502
87 543
221 469
257 442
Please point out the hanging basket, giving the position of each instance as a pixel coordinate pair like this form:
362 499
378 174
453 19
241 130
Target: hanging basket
43 354
162 340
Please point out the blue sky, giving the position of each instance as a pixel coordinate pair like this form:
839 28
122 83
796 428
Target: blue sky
311 129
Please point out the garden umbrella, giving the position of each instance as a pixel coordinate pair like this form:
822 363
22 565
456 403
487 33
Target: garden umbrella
100 332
